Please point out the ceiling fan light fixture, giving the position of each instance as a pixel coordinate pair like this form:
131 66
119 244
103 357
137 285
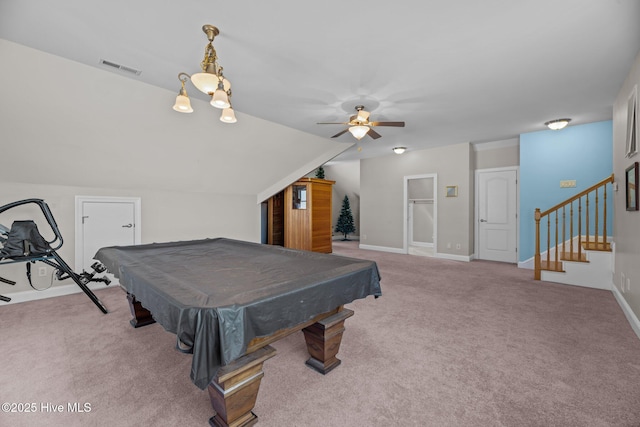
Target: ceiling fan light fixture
358 131
362 116
359 125
557 124
399 150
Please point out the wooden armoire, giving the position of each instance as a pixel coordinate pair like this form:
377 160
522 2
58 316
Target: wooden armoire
300 216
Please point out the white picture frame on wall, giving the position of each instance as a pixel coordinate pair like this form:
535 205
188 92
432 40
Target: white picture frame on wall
633 127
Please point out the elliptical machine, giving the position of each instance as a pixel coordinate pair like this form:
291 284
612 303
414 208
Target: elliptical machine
24 243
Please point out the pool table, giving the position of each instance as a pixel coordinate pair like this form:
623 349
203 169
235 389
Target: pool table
227 301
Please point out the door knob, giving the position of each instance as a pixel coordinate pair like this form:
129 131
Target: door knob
127 226
483 220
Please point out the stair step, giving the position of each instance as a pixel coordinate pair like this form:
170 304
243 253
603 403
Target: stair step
551 266
597 246
594 274
568 256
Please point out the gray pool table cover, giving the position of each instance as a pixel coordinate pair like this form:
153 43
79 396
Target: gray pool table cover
216 295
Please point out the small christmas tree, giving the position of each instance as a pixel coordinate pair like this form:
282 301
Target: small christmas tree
320 173
345 220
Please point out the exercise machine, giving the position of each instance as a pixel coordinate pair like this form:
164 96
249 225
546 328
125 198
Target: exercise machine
24 243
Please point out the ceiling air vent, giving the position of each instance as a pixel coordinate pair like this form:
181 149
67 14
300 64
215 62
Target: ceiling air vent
122 68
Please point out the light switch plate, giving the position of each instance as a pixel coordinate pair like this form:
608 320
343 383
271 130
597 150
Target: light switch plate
569 183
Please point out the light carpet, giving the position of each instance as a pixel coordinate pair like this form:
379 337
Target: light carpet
448 344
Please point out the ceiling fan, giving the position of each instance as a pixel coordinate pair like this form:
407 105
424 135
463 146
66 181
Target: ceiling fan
359 125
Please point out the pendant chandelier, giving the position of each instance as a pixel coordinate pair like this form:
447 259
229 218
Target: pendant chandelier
210 81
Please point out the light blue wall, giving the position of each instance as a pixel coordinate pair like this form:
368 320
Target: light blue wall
581 152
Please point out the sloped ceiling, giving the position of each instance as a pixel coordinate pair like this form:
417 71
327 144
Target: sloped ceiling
104 130
463 71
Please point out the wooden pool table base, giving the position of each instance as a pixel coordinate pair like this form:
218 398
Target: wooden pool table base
234 390
323 341
141 316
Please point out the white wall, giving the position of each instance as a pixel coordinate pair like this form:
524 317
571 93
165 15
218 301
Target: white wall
68 129
166 216
347 178
79 125
382 197
497 154
626 234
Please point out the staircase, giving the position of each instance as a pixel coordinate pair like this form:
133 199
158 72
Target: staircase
575 254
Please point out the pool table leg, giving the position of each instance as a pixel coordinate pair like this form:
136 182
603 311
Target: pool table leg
141 316
323 341
234 391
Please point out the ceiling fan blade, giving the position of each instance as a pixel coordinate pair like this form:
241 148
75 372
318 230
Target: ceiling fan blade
331 123
396 124
373 134
339 133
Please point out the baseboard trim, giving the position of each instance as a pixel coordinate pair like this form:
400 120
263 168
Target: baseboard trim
382 249
401 251
351 238
528 264
453 257
56 291
626 309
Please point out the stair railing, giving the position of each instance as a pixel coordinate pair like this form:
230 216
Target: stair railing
553 214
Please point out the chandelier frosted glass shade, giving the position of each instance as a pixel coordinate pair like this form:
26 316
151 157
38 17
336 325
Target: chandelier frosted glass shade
208 83
183 104
220 99
205 82
228 116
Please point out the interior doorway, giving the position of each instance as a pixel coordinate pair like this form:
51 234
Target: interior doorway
421 214
105 221
497 214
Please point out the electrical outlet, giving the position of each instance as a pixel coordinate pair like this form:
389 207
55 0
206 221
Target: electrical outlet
42 271
569 183
457 245
628 284
449 245
622 282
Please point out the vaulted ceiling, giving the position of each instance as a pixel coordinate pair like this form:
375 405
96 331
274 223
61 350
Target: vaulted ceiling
454 71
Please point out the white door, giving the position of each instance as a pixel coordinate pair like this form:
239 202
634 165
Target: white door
497 215
104 222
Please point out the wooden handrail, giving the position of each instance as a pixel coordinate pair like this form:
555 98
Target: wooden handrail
598 244
577 196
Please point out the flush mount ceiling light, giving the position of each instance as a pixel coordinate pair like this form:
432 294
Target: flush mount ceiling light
557 124
399 150
210 81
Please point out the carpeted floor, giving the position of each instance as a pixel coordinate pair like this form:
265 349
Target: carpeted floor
448 344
